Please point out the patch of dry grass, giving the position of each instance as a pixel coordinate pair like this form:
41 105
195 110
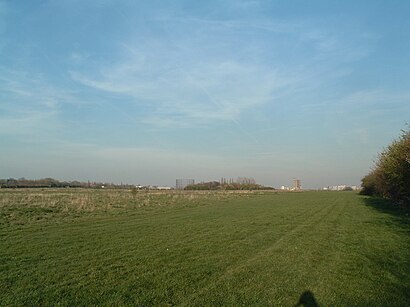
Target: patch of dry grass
23 206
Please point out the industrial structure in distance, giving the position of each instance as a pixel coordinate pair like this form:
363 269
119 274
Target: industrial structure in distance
180 184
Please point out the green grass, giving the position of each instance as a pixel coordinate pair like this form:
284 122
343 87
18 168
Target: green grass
84 247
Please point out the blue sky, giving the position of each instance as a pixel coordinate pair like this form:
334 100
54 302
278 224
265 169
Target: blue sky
148 91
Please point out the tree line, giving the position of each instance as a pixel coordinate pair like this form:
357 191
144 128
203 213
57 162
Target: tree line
215 185
53 183
390 176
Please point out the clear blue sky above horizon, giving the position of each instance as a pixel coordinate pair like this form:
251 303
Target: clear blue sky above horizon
148 91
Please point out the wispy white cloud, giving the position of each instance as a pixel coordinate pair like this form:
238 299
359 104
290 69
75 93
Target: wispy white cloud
29 104
276 26
365 117
205 91
78 58
301 32
31 90
362 102
29 124
207 74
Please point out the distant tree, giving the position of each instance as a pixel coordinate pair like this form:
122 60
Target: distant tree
245 180
212 185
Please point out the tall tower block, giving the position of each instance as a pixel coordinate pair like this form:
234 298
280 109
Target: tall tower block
296 184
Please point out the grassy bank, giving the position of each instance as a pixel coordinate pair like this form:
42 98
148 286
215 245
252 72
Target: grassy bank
76 247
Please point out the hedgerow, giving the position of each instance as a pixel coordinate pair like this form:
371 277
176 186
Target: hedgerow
390 177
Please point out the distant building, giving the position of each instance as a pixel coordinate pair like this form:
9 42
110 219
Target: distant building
163 188
341 187
180 184
296 184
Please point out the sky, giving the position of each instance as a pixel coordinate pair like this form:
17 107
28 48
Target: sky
144 92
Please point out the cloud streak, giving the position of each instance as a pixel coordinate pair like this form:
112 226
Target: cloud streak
212 91
207 74
30 105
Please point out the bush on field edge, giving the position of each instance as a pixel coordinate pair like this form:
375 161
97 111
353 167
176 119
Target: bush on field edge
390 177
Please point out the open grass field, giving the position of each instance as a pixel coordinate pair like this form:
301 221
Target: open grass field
96 247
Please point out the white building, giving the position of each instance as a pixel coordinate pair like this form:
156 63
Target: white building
164 188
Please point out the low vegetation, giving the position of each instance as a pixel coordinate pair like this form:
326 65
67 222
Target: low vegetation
118 247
